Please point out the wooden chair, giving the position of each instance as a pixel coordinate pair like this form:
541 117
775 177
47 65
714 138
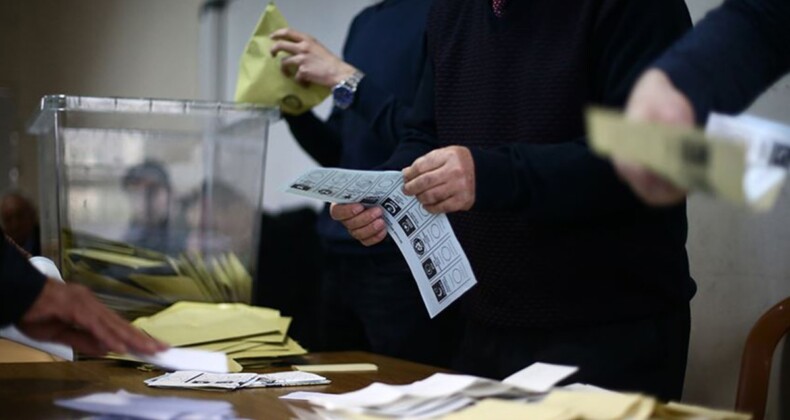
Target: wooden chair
757 357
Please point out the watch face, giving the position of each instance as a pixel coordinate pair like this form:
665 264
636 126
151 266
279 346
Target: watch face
343 96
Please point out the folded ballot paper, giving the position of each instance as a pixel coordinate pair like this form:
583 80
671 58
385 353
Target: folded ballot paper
435 258
261 79
245 335
438 394
126 405
742 159
136 281
232 381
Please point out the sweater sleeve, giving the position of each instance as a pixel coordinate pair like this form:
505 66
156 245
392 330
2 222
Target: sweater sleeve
419 126
20 283
566 182
732 55
320 139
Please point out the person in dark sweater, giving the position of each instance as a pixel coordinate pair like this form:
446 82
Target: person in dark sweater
370 300
733 55
49 310
572 267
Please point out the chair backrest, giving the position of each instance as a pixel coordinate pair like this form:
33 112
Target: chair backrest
757 357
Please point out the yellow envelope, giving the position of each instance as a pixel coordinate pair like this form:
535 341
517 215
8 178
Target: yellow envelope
499 409
602 405
261 80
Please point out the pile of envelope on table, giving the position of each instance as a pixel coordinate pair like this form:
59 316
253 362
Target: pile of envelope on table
528 394
250 336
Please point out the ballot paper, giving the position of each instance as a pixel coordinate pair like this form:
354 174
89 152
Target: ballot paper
186 359
438 394
231 381
128 405
197 379
435 258
742 159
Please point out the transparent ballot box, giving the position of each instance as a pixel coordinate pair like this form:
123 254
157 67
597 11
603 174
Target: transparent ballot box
148 201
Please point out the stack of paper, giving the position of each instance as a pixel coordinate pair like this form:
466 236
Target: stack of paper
126 405
231 381
249 335
137 282
741 159
437 395
527 394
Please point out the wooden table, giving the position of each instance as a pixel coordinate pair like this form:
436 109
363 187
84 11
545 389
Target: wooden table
27 390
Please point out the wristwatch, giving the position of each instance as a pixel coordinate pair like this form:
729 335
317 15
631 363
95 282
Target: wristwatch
343 92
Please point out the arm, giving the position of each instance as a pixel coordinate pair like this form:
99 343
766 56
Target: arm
734 54
561 182
20 284
49 310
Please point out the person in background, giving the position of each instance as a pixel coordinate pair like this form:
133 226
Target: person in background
369 298
19 219
150 194
732 55
572 268
48 310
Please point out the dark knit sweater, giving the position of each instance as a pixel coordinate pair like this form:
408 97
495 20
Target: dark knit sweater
554 238
732 55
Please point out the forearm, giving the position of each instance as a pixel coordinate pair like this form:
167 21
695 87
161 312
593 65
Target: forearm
553 183
731 56
20 283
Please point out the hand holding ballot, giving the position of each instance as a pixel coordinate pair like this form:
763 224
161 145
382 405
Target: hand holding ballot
655 99
309 60
70 314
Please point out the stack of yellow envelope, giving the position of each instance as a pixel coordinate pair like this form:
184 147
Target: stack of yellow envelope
249 335
138 282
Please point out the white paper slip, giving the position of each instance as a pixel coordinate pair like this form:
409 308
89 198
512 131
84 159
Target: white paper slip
281 379
539 377
427 241
127 405
187 359
196 379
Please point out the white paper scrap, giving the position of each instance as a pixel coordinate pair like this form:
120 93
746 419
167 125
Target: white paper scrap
435 258
196 379
280 379
188 359
137 406
539 377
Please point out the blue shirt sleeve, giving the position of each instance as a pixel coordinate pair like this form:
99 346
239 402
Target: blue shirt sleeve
732 55
20 283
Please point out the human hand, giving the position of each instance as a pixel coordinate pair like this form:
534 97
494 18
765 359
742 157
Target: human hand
364 224
655 99
312 62
70 314
442 180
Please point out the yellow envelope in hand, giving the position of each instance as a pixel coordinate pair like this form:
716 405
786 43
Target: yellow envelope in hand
261 80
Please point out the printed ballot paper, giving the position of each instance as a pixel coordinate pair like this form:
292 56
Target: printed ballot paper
436 259
231 381
742 159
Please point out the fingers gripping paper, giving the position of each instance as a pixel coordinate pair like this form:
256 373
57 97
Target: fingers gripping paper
427 242
261 80
731 163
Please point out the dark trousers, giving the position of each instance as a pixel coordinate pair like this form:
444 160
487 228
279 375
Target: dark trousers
646 355
372 303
